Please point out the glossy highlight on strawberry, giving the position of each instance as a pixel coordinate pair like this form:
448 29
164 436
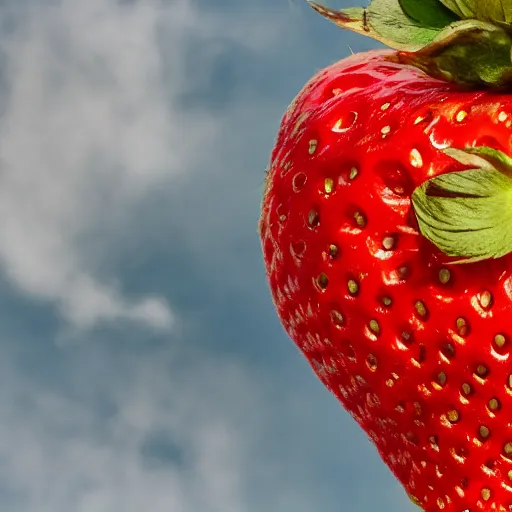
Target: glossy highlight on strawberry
415 346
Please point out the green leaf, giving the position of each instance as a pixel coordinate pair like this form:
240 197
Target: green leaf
468 214
473 51
429 13
383 20
507 10
482 157
469 52
459 7
484 10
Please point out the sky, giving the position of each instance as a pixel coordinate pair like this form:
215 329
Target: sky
142 366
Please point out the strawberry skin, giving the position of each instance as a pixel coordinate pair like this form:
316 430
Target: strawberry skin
416 348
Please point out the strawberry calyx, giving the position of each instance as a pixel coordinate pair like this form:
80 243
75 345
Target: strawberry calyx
468 214
464 41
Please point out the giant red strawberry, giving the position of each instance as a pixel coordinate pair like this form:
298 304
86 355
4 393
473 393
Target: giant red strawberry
386 228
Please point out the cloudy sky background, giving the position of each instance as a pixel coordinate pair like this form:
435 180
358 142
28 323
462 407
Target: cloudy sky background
141 364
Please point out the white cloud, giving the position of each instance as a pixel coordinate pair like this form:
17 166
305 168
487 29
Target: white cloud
88 129
60 451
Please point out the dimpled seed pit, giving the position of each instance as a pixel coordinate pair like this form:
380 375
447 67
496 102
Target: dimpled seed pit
298 248
313 219
371 361
441 378
386 301
298 182
353 173
406 336
313 144
486 494
333 251
322 281
508 449
337 318
403 271
481 370
360 219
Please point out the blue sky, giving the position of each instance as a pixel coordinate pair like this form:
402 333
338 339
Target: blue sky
142 366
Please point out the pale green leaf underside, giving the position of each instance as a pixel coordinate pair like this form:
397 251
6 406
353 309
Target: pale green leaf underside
459 7
468 214
485 157
485 10
384 21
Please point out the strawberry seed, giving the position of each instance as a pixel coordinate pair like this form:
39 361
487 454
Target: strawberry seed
481 370
462 327
386 301
485 299
353 287
374 326
494 404
420 308
441 378
388 243
444 276
484 432
337 318
466 389
453 416
328 185
500 340
486 494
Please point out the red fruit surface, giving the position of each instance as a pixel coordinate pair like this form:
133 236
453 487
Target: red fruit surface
417 349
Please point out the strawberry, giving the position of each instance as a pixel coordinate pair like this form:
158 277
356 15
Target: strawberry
386 228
